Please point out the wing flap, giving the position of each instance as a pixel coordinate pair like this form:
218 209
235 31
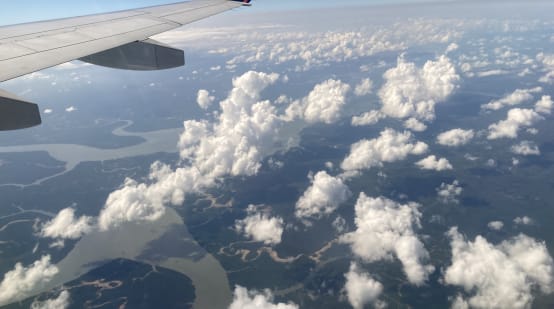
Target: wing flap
16 113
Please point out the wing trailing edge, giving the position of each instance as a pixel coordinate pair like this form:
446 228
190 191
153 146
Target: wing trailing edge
145 55
16 113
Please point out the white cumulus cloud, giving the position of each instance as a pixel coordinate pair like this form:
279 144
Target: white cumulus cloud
364 87
509 128
361 289
204 99
322 198
517 97
544 105
434 163
412 92
245 299
390 146
455 137
66 226
495 225
324 103
526 148
19 282
60 302
233 145
261 227
499 276
385 228
449 193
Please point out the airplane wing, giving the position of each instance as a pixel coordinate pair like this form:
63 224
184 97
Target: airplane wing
118 40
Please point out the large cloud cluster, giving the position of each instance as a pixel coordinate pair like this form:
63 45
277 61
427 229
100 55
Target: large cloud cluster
499 276
245 299
390 146
234 145
385 228
322 198
19 282
411 93
323 104
361 289
261 227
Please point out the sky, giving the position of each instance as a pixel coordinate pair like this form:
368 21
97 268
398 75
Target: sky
14 12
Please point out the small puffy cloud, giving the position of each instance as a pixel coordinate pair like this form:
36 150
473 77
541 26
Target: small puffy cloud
433 163
66 226
204 99
19 282
385 228
517 97
415 125
390 146
495 225
455 137
368 118
61 302
452 47
361 289
363 88
526 148
412 92
323 104
544 105
71 109
322 198
449 193
245 299
499 276
523 220
260 227
509 128
48 111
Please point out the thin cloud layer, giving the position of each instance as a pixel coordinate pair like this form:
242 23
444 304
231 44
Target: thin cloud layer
499 276
322 198
385 229
260 227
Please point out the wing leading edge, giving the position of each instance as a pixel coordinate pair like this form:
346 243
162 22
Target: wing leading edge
118 40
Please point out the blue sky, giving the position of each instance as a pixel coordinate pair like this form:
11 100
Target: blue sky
32 10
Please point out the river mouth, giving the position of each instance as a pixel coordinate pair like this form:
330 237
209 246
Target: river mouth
138 241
